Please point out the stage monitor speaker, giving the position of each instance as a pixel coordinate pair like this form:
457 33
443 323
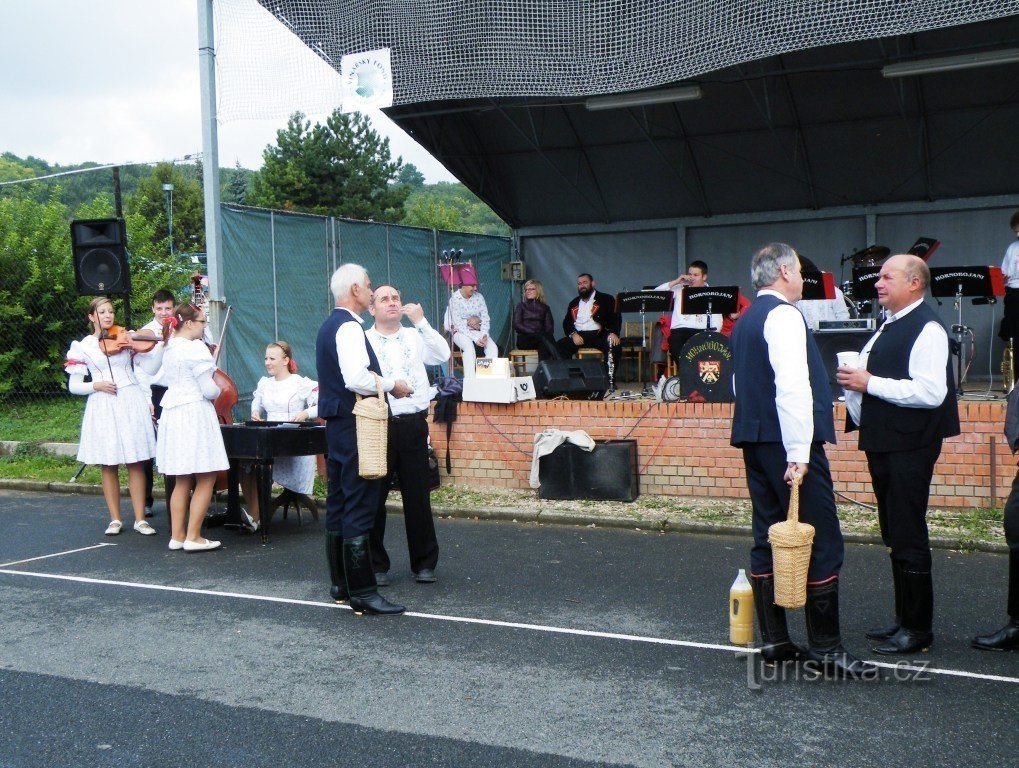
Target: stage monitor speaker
608 473
574 379
100 256
829 344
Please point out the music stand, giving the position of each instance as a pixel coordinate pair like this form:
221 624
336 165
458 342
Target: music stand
709 300
976 282
644 301
924 247
818 286
864 280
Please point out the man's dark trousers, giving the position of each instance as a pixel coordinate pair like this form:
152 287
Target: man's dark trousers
766 465
351 503
408 458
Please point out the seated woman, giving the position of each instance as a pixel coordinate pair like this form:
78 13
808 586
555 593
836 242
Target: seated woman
532 321
281 396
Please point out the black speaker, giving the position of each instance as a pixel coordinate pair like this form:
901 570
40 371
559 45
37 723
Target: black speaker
608 473
100 256
829 344
574 379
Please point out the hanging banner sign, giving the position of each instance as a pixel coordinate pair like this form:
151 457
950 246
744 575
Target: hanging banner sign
367 79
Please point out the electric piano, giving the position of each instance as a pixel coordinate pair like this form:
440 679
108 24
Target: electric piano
260 442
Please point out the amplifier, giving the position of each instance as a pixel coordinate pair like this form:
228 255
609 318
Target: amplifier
841 326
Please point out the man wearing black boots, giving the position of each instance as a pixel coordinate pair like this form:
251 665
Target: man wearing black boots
782 419
347 365
1007 638
901 397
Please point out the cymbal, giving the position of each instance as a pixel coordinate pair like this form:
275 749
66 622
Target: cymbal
869 257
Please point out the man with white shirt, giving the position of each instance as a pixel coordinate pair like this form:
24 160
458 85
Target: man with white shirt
901 397
1010 268
782 419
467 319
163 302
403 353
347 365
591 320
685 326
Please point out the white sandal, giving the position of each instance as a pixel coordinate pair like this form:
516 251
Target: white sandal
143 527
114 527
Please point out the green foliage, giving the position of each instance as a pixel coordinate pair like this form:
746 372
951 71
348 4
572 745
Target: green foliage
187 206
410 176
235 184
36 292
452 207
55 419
343 168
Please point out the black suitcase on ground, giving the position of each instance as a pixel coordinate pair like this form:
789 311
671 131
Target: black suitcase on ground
608 473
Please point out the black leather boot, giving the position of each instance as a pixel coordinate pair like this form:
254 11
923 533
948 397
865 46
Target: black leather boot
364 593
1005 639
334 556
777 648
915 635
883 633
826 650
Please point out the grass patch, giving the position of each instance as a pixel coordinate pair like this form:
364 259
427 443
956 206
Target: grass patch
27 464
54 419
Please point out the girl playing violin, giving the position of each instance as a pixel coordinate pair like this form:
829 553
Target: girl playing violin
190 445
117 426
282 396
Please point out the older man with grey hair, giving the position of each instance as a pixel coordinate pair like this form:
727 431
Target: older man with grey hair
783 418
347 366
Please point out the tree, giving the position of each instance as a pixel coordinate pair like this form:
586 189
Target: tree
410 176
188 206
343 168
452 207
424 211
237 187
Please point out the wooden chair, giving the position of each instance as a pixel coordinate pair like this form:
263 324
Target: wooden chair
585 353
630 348
524 362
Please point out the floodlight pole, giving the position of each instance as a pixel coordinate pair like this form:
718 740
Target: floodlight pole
210 160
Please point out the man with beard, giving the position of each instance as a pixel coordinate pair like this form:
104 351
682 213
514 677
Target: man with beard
591 321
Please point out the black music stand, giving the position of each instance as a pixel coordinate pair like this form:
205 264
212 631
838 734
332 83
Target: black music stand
644 301
818 286
709 300
977 282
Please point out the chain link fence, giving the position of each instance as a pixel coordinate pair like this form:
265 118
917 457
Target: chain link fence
276 268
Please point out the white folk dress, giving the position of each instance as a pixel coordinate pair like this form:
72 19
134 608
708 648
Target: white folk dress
189 439
281 401
116 429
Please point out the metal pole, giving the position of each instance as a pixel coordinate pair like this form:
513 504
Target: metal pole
210 159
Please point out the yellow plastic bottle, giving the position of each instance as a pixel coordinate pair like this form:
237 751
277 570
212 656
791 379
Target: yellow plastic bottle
741 611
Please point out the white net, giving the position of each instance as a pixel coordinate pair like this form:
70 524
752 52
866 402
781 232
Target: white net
276 56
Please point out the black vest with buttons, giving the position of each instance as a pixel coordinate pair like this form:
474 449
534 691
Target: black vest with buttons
334 399
885 427
755 418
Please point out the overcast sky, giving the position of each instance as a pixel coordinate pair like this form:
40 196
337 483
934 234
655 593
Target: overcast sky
117 81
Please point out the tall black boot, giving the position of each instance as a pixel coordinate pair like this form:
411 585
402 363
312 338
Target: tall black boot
915 635
364 593
826 649
883 633
777 648
334 556
1006 638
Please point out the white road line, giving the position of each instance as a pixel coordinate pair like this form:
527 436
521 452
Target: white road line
55 554
484 622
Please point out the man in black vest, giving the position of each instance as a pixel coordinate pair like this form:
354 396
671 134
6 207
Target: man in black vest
901 397
347 365
591 321
782 419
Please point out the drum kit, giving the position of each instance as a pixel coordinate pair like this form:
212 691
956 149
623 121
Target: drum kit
868 257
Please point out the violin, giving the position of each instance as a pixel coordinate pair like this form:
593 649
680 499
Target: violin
118 338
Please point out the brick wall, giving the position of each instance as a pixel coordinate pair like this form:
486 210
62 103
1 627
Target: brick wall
683 448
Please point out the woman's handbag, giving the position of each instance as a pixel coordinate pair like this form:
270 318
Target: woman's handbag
791 541
371 415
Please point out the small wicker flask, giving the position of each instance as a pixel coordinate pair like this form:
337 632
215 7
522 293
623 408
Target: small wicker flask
790 550
371 416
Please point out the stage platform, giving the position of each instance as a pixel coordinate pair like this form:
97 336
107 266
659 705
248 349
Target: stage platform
683 448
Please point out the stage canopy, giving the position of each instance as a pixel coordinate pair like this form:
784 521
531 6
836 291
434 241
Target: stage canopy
769 105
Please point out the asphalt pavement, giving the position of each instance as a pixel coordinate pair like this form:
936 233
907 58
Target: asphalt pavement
540 645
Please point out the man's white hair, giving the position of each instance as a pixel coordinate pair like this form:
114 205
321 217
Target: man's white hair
344 278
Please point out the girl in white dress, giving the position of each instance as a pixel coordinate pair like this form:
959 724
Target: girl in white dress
282 396
117 426
190 445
